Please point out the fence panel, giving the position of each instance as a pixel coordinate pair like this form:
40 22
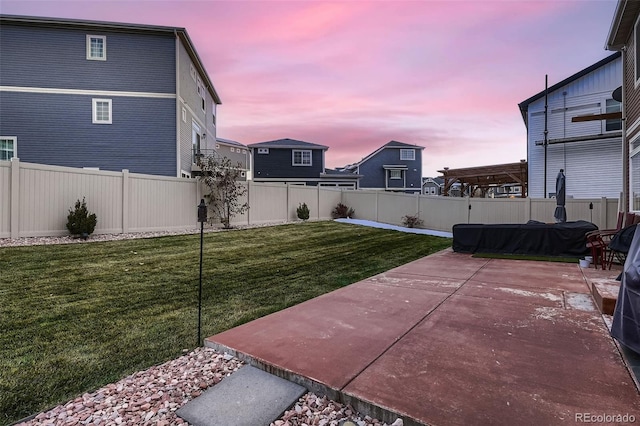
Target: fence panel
364 203
441 213
328 200
393 206
302 194
161 203
5 199
497 210
267 202
48 192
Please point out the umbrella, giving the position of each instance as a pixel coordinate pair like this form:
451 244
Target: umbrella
560 214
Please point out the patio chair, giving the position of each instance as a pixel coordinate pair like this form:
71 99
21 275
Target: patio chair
618 247
598 241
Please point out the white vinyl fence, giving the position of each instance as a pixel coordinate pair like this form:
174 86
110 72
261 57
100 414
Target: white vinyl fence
35 200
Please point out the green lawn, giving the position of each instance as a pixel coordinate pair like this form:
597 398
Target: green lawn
76 317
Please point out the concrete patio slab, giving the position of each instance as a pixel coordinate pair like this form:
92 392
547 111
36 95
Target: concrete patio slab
450 339
473 362
425 282
523 273
226 403
332 338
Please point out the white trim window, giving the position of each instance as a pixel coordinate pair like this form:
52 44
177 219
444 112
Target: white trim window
201 94
96 47
263 150
194 74
301 157
408 154
395 174
615 124
184 114
8 147
101 111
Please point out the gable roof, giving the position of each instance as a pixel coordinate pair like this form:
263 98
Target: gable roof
82 24
622 24
230 142
524 105
390 144
288 143
437 180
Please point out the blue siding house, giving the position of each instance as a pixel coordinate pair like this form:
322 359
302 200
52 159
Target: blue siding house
296 162
103 95
395 166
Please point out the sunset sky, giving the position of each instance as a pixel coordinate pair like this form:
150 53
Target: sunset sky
353 75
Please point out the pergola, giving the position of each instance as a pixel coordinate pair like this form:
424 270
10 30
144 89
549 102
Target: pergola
484 177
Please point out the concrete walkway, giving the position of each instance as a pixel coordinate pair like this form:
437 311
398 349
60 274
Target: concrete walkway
450 339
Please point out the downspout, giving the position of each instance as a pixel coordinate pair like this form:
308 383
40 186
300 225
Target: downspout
626 207
546 131
178 113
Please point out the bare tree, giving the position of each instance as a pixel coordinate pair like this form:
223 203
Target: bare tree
225 190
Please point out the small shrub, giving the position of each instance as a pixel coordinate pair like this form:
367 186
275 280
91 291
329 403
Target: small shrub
80 221
341 211
412 221
303 211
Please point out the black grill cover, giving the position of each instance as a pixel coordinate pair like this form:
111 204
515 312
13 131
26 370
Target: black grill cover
626 317
532 238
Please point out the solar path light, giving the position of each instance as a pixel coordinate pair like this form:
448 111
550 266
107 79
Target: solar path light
202 218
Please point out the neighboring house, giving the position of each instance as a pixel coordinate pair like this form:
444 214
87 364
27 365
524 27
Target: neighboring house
395 166
103 95
586 150
296 162
237 153
508 190
432 185
624 36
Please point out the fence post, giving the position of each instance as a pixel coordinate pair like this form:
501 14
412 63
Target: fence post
468 209
15 198
249 183
286 214
377 201
417 204
604 220
318 201
125 201
527 209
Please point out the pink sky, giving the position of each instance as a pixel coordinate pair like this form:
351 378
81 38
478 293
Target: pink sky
352 75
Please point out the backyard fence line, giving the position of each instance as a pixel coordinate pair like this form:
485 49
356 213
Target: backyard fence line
35 200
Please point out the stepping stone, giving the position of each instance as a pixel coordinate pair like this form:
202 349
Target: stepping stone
249 397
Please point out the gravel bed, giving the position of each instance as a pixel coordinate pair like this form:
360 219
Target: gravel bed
149 397
67 239
152 396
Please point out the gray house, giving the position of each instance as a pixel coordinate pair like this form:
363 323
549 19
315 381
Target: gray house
432 185
103 95
395 166
296 162
236 152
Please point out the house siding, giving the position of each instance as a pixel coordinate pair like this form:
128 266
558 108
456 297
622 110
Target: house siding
586 95
278 164
56 58
236 157
632 113
374 175
57 130
191 101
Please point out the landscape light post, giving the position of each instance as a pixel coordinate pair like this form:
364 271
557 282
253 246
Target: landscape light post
202 218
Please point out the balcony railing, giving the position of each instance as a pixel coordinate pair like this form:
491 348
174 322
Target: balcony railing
199 154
